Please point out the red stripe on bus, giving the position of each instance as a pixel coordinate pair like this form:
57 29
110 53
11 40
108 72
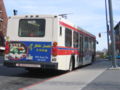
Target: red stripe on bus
75 29
67 52
61 50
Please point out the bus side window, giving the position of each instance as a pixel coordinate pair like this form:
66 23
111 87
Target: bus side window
60 31
75 39
68 37
86 47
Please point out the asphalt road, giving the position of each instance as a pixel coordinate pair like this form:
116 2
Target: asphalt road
15 78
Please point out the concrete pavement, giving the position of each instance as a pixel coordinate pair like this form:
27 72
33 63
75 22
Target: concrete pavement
108 80
85 78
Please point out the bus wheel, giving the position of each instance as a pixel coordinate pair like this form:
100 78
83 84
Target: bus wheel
71 65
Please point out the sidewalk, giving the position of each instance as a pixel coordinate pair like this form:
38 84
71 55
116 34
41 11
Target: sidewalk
97 76
108 80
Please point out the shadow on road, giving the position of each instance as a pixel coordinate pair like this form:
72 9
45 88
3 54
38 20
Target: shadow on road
20 72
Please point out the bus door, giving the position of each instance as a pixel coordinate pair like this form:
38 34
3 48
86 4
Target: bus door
80 46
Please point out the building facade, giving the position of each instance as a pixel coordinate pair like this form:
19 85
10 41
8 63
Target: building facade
3 22
117 37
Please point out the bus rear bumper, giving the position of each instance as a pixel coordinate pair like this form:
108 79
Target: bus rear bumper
31 64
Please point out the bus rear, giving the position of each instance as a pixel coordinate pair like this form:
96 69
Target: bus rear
29 42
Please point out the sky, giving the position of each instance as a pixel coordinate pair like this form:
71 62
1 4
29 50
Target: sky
88 14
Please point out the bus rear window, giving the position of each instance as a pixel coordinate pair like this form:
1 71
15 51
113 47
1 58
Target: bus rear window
31 28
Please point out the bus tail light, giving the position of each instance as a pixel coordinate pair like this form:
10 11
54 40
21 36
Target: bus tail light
7 47
54 44
54 49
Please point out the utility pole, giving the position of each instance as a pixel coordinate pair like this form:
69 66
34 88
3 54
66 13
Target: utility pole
107 26
114 64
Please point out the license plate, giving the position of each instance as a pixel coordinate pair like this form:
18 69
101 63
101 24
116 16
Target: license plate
28 65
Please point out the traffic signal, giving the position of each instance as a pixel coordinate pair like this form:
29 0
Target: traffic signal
99 35
15 12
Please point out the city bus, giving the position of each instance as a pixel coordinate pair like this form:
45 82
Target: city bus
47 42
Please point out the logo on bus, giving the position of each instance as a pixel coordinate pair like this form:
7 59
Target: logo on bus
17 51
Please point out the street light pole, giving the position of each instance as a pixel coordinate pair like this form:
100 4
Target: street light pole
107 26
114 64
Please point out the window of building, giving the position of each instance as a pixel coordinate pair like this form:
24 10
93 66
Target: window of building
31 28
0 41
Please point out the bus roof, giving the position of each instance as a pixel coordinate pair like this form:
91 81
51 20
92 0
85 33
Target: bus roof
54 16
76 27
32 16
